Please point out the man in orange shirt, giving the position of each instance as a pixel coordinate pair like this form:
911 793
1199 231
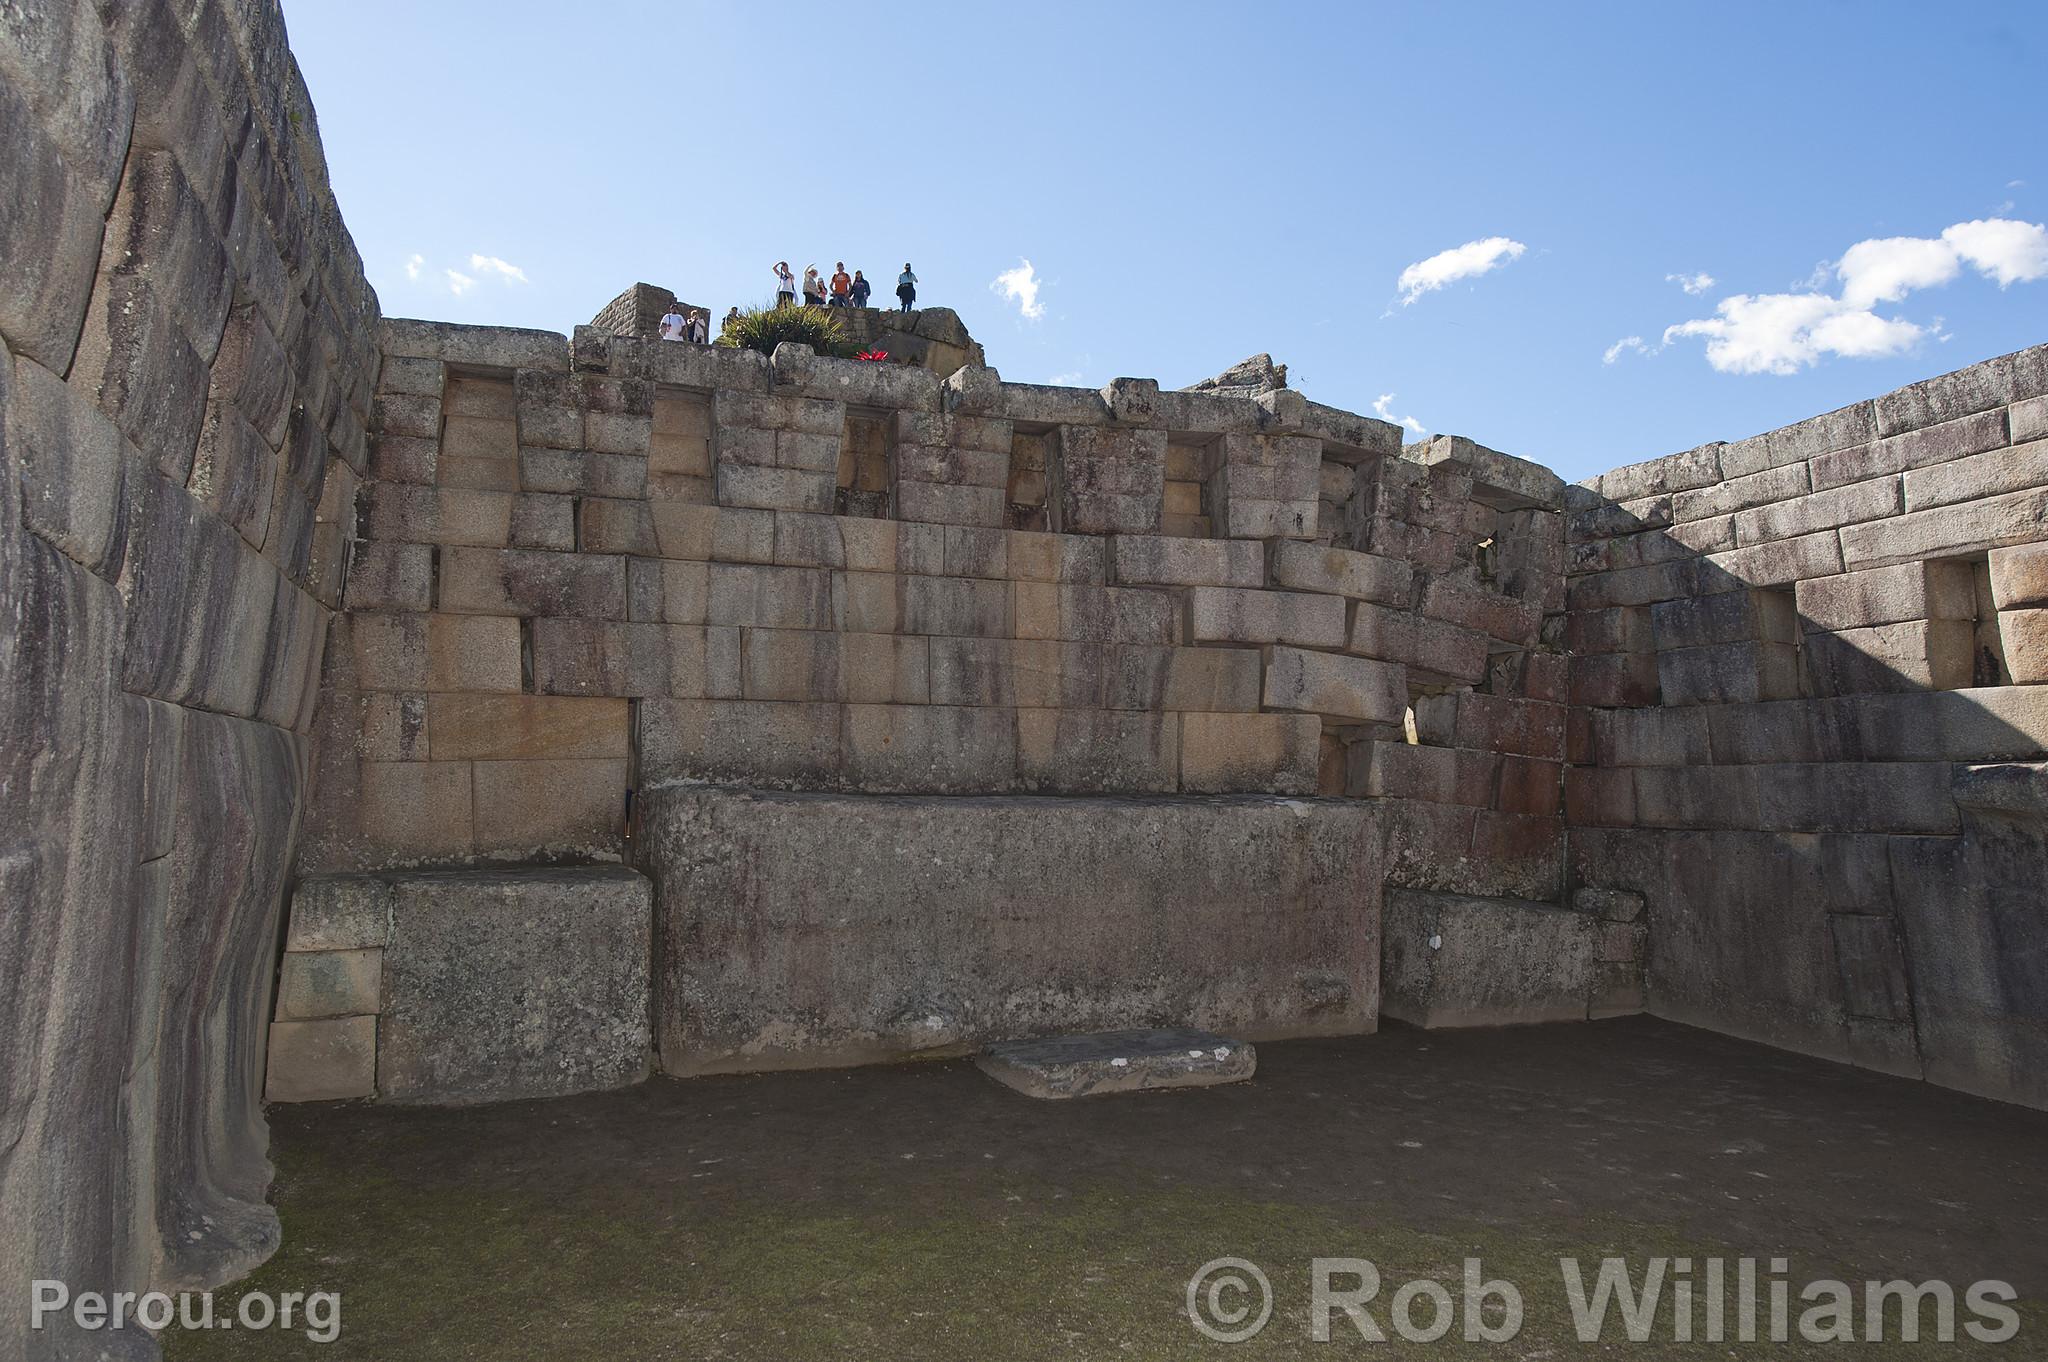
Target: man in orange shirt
840 284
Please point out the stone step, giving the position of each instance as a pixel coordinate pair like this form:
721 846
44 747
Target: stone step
1118 1061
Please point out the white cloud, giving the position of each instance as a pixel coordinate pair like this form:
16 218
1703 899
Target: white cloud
1625 344
1383 407
2006 251
1691 283
1781 333
1020 286
2015 184
504 269
1886 269
458 282
1069 379
1468 261
412 265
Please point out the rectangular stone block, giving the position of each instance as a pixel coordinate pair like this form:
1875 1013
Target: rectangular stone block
1947 531
1092 614
1064 751
1914 655
529 582
2019 576
1912 449
2023 634
1153 560
740 742
321 1061
1728 673
1208 680
550 806
1454 960
1897 797
1038 557
1597 798
1069 890
1239 753
1909 591
1983 475
1228 615
770 597
1492 723
784 489
413 810
315 984
1340 572
1696 797
635 659
1488 612
1622 629
947 504
1437 775
1729 617
931 749
339 913
1761 488
1339 688
1778 563
724 534
520 727
1652 737
508 984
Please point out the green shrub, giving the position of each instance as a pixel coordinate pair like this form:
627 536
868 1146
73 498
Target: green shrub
764 328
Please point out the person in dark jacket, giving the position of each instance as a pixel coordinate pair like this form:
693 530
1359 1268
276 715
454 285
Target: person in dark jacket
906 287
860 290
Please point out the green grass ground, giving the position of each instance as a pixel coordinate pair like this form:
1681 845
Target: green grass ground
924 1212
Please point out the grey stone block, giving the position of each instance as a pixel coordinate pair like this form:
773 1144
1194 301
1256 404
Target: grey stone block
1914 655
1982 475
814 930
515 983
1909 591
1947 531
1118 1061
1609 905
1456 960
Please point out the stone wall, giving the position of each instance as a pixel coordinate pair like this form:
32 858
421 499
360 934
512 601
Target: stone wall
190 354
1811 732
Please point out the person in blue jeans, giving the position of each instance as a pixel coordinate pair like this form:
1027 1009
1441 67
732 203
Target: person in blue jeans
906 287
860 289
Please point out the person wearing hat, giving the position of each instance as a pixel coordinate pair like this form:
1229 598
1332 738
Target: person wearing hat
906 287
814 287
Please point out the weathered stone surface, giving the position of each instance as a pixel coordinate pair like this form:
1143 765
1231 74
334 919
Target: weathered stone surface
1915 655
1460 960
515 983
322 1061
1341 572
1149 560
1118 1061
1235 753
798 929
1728 673
1947 531
2019 576
1610 905
1500 480
316 984
1227 615
1910 591
1340 688
2023 634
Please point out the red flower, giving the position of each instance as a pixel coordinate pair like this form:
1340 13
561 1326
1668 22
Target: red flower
876 355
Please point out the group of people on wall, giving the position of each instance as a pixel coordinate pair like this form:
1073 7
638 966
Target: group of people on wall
840 290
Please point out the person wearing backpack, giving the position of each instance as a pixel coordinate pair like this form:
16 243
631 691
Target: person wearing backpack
906 287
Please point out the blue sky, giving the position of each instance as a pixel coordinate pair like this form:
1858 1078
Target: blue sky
1455 212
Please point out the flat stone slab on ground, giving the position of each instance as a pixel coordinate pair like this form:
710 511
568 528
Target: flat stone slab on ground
1118 1061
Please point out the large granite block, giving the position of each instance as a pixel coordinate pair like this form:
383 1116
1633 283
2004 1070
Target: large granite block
1459 960
502 984
815 930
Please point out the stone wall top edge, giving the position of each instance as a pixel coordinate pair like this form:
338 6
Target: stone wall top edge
1994 382
1298 806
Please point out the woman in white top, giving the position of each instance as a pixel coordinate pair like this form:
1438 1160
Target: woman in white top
814 287
672 324
785 284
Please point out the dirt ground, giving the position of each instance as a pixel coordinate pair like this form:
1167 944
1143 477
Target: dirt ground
924 1212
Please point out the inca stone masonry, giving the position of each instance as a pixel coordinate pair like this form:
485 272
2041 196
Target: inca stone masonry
439 714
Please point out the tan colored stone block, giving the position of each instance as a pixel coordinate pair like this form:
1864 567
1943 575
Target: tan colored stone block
1972 527
2019 575
1093 614
880 669
473 437
768 597
1053 673
2024 635
1204 680
321 1061
723 534
1237 753
416 809
1039 557
472 653
314 984
1157 560
468 395
1909 591
528 807
531 582
1340 688
1091 752
612 525
740 742
510 727
790 664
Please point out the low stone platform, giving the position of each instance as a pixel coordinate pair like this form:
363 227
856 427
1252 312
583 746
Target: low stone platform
1118 1061
1465 960
804 930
